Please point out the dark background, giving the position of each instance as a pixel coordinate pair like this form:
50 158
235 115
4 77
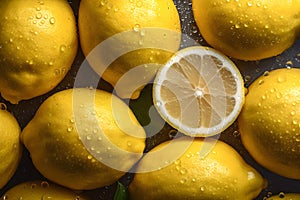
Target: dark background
25 110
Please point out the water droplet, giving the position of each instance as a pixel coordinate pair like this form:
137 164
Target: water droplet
3 106
11 40
39 16
202 188
89 137
237 26
5 197
90 157
183 171
281 195
260 82
183 180
63 48
281 79
45 184
289 64
250 3
70 129
266 73
33 186
52 20
136 27
38 8
129 144
139 4
158 103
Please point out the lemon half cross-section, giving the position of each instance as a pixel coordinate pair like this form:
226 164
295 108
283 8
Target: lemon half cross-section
199 91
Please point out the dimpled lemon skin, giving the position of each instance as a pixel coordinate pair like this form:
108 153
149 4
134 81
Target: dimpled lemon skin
37 190
10 147
101 20
63 138
222 174
248 30
269 121
38 43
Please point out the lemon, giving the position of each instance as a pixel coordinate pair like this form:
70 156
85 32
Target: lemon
221 174
38 43
199 91
126 41
84 138
248 30
37 190
269 121
10 147
285 197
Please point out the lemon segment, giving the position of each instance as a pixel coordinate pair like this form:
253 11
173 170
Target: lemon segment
222 174
269 122
199 91
11 149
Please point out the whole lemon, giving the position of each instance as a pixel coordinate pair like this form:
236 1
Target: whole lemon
10 146
84 138
126 41
248 30
269 122
37 190
221 174
283 196
38 43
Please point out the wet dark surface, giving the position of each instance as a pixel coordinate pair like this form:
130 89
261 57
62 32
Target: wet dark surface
25 110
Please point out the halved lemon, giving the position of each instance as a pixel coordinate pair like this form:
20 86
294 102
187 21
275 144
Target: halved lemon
199 91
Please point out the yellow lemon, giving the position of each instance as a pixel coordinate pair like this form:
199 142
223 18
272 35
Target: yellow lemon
84 138
126 41
37 190
38 42
248 30
221 174
282 196
199 91
10 147
270 121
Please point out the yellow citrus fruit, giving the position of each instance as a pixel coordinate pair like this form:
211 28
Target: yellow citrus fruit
10 147
84 138
283 196
132 38
40 190
221 174
248 30
38 42
270 121
199 91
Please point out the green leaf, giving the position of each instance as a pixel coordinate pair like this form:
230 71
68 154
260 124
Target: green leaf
121 193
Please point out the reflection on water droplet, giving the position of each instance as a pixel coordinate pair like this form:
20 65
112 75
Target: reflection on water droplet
266 73
202 188
289 64
3 106
44 184
39 16
63 48
281 195
52 20
136 27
